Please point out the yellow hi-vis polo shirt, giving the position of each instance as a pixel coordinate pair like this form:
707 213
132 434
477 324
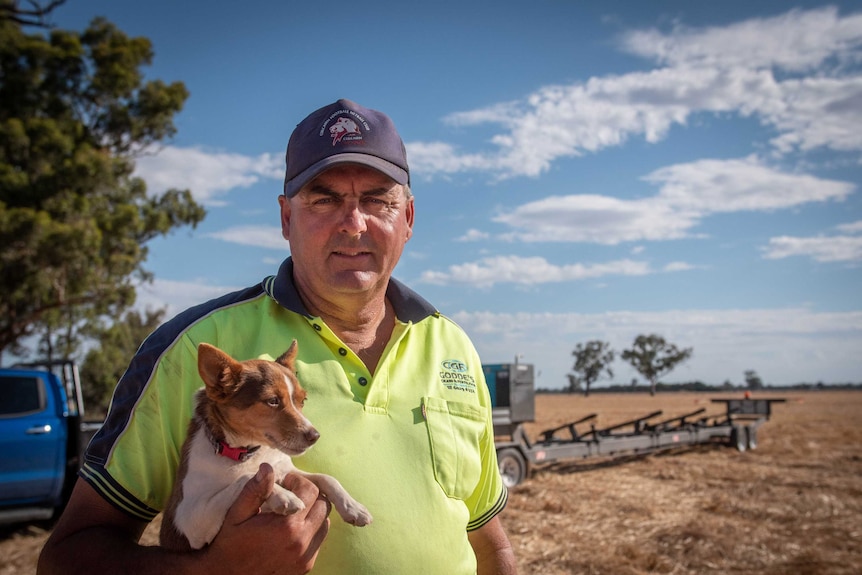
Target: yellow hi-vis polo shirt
413 442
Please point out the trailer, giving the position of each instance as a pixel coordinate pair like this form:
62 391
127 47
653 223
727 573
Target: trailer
512 390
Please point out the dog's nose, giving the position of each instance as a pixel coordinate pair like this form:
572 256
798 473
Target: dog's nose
311 436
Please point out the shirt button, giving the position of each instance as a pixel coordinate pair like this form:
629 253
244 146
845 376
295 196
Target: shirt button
363 381
342 351
317 327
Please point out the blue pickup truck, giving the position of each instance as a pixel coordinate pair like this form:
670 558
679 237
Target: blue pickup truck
42 438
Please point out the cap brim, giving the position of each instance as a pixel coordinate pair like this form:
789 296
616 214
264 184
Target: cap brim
387 168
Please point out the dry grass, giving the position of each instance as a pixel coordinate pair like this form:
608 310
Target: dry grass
792 506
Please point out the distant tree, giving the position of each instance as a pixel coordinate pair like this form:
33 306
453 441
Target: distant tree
75 113
592 360
105 364
652 357
752 380
727 385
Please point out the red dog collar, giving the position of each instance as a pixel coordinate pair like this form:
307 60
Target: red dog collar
235 453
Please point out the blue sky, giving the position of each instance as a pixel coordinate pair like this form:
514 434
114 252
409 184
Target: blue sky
582 170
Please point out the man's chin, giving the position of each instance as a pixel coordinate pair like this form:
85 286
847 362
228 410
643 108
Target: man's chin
354 281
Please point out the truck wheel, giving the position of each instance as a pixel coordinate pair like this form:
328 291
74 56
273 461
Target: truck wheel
513 466
751 437
738 439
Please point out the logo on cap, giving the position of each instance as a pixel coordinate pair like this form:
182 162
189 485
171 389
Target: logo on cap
344 127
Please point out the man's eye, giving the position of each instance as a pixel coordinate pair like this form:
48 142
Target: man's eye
376 203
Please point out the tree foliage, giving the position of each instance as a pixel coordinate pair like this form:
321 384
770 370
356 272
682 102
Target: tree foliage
652 357
75 112
752 380
104 364
592 360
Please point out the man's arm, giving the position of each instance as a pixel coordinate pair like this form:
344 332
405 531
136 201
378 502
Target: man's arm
494 554
93 535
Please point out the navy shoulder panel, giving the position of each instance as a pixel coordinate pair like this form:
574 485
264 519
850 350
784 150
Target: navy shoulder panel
143 364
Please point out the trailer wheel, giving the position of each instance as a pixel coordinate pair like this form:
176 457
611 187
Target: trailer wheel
751 437
513 466
738 439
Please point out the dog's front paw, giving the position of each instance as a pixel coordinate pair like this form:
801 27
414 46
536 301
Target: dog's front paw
355 513
283 502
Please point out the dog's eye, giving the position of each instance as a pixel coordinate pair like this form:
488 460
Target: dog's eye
273 402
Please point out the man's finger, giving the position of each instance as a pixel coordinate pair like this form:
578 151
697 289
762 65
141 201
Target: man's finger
301 487
253 494
316 514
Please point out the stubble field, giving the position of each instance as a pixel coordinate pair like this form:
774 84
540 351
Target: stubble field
792 506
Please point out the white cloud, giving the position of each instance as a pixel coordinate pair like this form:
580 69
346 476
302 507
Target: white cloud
688 193
716 186
259 236
177 296
797 41
208 175
794 73
529 271
818 112
598 219
678 267
821 248
838 248
442 158
851 228
473 235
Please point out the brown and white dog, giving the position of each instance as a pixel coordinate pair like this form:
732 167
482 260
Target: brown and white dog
248 412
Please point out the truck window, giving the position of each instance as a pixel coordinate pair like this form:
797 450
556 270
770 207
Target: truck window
20 395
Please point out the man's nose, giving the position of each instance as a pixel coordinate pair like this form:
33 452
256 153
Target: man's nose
353 219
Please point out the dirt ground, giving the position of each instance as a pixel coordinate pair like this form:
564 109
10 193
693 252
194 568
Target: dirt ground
792 506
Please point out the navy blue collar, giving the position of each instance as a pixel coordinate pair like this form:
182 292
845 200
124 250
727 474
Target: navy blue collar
409 306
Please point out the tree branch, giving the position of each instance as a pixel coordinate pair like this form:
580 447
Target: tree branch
34 16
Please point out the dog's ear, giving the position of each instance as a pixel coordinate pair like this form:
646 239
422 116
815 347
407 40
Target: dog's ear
219 371
288 358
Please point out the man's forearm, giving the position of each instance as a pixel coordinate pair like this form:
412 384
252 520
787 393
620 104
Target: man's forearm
494 553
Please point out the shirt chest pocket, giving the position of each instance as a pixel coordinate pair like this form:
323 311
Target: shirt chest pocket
454 430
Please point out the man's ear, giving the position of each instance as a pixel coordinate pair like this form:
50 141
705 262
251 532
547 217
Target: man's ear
284 203
409 213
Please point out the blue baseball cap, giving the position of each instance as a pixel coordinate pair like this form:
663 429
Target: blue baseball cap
343 133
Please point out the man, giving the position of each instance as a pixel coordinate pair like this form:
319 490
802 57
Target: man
395 389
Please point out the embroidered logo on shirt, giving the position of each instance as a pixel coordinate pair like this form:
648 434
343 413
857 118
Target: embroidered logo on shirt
455 377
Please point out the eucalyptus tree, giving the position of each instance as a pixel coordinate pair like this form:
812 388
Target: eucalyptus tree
652 356
75 114
592 360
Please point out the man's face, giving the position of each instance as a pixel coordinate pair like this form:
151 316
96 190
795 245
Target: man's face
347 229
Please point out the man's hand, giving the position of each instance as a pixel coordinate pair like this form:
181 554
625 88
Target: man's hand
258 542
